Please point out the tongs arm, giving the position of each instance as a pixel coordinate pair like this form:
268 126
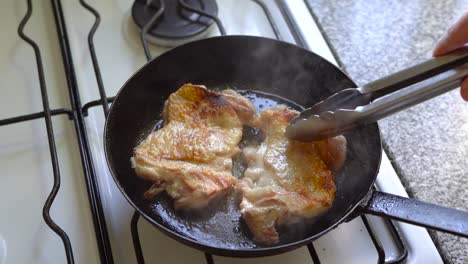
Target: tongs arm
411 96
353 107
415 74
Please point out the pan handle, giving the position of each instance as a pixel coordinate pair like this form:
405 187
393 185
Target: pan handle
416 212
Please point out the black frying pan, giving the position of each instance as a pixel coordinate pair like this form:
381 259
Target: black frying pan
298 77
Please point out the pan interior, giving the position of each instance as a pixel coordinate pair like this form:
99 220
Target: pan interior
260 68
221 223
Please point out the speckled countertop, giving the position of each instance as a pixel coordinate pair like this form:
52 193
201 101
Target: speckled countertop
428 144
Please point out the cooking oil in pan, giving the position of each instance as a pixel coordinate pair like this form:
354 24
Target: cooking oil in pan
221 224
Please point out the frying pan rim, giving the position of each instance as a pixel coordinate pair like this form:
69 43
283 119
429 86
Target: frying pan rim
220 251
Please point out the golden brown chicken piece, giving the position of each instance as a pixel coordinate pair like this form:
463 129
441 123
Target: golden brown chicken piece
286 181
191 156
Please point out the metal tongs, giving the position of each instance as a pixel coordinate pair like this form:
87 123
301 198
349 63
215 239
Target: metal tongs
354 107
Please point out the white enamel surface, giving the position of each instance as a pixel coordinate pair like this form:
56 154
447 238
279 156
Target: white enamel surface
298 256
26 174
417 238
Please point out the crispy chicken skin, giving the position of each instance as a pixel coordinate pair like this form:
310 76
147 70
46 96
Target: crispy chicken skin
191 156
286 181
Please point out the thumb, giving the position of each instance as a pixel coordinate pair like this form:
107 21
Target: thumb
464 89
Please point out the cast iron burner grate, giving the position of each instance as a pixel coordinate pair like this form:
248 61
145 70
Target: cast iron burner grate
177 24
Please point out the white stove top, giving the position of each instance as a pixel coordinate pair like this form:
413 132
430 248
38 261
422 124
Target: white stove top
26 172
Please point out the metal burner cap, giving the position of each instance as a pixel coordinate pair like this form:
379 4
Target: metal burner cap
176 25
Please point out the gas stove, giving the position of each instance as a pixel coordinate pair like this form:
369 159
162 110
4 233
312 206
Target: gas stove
59 200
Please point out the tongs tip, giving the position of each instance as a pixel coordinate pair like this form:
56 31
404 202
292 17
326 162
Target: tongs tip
319 122
312 128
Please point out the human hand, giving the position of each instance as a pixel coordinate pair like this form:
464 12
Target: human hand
456 37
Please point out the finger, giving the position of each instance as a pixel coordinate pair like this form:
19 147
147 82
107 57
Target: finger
455 38
464 89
